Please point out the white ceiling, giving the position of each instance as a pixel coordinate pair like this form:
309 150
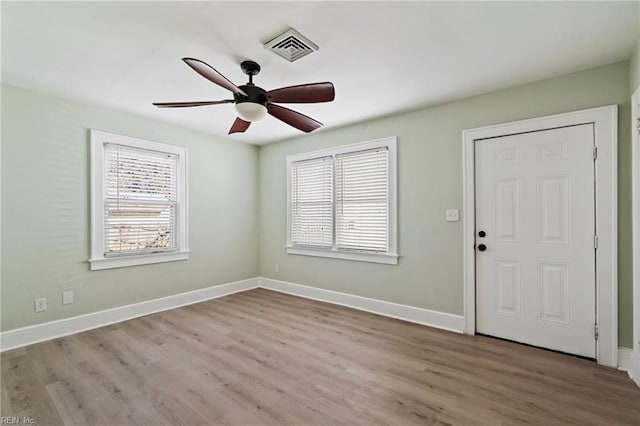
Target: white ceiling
383 57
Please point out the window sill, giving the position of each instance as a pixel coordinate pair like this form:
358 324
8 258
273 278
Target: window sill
146 259
389 259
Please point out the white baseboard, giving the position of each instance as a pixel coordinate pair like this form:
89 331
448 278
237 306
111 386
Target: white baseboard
24 336
422 316
625 360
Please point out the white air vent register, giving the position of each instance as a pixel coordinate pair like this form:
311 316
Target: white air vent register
291 45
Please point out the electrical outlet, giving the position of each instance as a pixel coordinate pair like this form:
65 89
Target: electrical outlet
276 268
453 215
67 297
40 304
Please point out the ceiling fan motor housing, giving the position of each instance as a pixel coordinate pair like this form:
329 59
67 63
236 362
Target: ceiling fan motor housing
254 93
253 106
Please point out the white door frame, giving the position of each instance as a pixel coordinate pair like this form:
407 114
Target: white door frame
635 151
605 121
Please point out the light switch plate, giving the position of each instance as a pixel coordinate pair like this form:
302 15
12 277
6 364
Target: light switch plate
453 215
67 297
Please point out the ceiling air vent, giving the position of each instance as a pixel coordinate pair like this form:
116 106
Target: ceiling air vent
291 45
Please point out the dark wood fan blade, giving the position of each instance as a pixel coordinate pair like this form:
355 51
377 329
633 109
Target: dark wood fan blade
239 126
304 93
189 104
293 118
210 73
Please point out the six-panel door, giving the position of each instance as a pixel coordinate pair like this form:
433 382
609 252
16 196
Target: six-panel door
535 281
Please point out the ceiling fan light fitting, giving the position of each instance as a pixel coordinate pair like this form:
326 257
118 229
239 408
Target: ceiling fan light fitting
250 111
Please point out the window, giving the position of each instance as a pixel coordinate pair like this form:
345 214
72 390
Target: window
341 202
138 202
312 202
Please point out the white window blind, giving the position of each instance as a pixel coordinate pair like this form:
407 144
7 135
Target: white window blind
312 203
342 202
140 200
362 200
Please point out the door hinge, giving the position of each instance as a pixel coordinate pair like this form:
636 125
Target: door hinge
595 241
595 331
595 152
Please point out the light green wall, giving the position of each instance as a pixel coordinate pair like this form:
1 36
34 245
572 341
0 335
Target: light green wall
45 210
634 63
429 274
45 168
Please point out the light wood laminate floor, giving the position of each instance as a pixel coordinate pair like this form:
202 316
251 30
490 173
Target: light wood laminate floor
262 357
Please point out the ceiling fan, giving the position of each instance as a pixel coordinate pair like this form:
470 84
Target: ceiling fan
253 103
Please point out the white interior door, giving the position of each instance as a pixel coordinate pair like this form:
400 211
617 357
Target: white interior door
535 206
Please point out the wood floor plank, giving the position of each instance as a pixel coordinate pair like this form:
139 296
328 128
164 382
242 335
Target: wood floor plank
134 404
26 394
267 358
5 402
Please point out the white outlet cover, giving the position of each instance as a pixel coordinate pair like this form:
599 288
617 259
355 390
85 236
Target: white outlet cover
67 297
453 215
40 305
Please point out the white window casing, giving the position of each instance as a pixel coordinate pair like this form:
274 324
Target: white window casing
342 202
139 201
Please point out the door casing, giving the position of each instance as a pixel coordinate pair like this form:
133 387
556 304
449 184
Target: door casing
635 150
605 121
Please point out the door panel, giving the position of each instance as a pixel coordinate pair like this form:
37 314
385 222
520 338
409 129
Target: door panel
507 287
535 201
507 210
553 281
553 215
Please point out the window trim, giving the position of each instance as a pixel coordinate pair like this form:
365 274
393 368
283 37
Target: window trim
98 259
391 256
